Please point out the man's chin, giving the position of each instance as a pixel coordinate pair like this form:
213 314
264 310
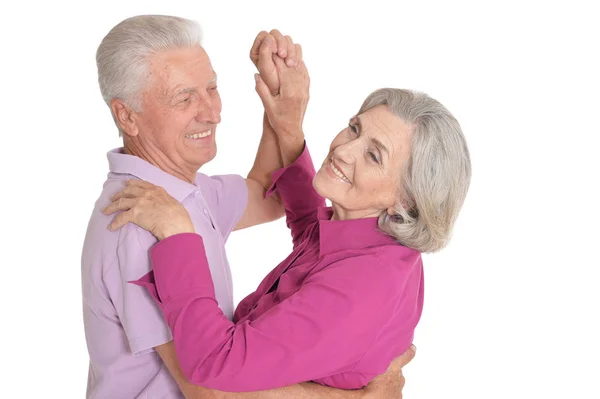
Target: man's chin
204 156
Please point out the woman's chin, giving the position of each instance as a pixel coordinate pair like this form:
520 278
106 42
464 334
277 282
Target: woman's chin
320 186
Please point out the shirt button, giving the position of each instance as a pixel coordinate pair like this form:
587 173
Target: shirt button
196 193
206 211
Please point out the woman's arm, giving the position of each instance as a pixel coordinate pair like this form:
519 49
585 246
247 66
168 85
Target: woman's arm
385 386
322 330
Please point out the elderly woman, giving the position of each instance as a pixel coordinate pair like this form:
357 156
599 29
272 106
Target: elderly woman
348 298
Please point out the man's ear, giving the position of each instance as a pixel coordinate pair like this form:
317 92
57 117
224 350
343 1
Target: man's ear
125 117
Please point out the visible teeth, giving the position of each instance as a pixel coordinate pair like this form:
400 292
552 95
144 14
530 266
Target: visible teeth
338 173
199 135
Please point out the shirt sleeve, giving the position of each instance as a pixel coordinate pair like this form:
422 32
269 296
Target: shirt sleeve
138 313
230 196
325 328
301 200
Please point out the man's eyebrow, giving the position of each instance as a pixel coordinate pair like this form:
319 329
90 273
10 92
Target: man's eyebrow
183 90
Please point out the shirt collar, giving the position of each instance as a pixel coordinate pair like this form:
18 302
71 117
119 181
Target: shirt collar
119 162
341 235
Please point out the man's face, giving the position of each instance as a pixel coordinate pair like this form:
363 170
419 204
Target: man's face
181 108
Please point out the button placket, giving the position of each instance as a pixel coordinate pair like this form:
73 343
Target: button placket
201 204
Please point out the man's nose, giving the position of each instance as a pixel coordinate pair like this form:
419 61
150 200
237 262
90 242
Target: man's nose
208 111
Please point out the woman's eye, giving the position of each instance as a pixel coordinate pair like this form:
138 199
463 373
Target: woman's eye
373 157
353 128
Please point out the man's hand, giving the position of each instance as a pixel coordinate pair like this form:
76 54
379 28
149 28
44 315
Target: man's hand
268 45
285 111
390 383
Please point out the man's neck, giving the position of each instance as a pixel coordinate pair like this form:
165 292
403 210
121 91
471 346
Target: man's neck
161 161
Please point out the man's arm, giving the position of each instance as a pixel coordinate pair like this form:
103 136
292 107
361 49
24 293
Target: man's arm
268 159
138 315
299 391
387 385
273 154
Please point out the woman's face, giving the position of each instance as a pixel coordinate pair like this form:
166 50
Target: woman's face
362 175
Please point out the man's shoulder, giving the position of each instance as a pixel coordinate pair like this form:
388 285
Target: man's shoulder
216 188
215 181
101 244
98 223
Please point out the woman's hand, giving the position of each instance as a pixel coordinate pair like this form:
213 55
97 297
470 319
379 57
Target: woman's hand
268 45
285 110
151 208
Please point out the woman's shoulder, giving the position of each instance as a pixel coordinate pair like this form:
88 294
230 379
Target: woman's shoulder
387 265
382 256
398 255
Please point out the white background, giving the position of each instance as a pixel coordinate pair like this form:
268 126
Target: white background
512 305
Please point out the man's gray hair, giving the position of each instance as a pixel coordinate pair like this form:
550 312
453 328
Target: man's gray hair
122 57
437 176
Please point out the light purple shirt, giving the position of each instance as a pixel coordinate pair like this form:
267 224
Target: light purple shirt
122 322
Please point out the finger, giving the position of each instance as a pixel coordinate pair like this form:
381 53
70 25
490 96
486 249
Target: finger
279 64
254 50
302 70
129 192
281 69
266 66
140 183
267 48
405 358
281 43
121 220
263 92
123 194
122 204
298 52
305 74
291 59
289 78
119 195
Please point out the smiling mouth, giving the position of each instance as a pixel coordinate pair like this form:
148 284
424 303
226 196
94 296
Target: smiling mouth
338 172
197 136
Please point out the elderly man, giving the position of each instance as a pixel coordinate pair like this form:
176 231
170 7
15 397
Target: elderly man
162 92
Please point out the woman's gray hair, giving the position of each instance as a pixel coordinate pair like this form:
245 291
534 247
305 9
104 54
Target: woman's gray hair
122 57
437 176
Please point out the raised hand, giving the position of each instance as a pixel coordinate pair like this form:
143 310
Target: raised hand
285 110
265 47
